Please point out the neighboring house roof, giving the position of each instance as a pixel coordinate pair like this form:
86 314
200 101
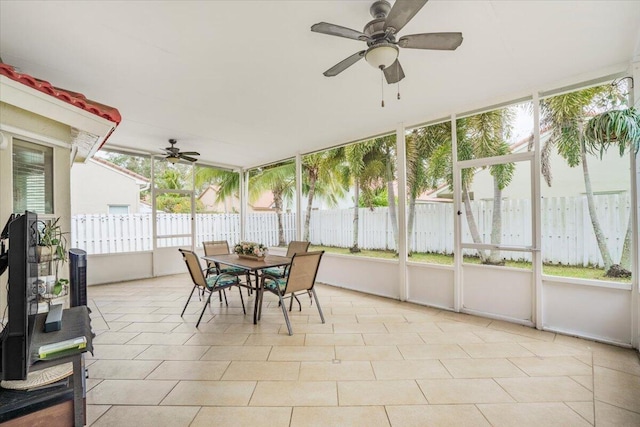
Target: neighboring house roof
73 98
140 180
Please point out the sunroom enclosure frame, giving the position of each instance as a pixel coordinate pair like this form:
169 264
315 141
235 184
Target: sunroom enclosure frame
598 310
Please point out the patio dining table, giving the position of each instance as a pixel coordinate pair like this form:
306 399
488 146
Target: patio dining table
252 266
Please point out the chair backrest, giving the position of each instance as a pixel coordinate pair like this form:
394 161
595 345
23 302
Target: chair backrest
303 271
193 265
297 247
216 247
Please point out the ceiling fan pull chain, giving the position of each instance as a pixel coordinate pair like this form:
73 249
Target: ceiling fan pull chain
382 85
398 89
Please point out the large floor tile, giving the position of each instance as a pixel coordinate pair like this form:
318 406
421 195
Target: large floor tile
295 393
409 369
432 351
481 368
379 352
210 393
112 351
439 337
302 353
360 328
393 339
617 388
129 392
436 415
94 412
109 337
448 391
545 389
353 416
334 339
201 370
173 352
242 416
532 415
217 339
122 369
613 416
237 353
494 350
147 416
551 366
257 371
336 370
161 338
392 392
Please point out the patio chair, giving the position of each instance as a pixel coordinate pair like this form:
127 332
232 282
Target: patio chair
295 247
301 278
221 247
211 283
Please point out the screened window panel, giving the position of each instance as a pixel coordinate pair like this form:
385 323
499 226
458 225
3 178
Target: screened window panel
32 178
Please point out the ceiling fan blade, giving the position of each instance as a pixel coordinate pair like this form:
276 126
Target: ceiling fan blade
187 158
436 41
401 13
337 30
190 153
344 64
394 73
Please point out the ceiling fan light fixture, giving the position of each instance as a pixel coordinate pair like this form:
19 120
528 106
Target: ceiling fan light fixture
173 160
381 55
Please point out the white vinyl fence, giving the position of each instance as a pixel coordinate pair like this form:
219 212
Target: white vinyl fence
567 233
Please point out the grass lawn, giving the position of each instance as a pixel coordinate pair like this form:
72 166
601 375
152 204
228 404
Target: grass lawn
575 272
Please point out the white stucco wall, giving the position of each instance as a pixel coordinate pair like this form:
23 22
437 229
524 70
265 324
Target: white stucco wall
94 187
40 130
609 174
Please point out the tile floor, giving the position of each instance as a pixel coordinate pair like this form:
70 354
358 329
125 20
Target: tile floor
375 362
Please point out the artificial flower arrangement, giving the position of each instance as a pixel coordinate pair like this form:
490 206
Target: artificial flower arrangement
251 248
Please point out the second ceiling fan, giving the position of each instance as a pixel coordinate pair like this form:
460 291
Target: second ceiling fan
380 36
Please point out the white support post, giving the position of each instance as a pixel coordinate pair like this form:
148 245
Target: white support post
401 168
536 255
154 218
635 215
193 208
298 196
457 221
243 182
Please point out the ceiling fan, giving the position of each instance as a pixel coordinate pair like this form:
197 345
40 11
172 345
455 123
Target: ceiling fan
174 154
380 36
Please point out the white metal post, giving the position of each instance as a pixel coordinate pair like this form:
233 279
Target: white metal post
536 223
635 215
298 196
457 221
193 208
243 190
401 168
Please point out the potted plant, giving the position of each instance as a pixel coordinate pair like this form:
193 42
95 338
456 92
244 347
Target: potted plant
52 247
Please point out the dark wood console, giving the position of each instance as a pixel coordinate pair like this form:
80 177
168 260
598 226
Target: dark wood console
50 406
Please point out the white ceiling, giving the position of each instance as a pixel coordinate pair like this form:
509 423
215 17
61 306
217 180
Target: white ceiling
241 81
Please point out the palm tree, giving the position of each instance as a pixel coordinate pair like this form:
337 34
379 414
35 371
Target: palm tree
365 169
479 136
565 117
323 178
280 180
421 144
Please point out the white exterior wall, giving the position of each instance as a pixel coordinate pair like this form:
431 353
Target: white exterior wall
609 174
34 128
94 187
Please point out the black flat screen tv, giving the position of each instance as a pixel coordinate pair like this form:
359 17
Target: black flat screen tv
22 296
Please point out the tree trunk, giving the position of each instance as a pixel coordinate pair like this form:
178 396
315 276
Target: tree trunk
356 209
471 222
597 230
391 199
625 258
410 223
307 220
496 225
277 200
